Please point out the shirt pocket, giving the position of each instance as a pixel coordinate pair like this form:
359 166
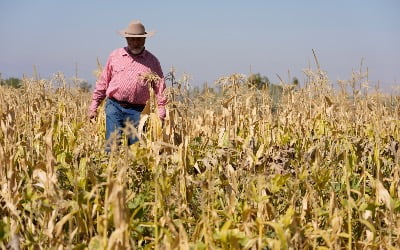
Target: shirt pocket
118 69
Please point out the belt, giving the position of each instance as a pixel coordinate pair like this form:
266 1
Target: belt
128 105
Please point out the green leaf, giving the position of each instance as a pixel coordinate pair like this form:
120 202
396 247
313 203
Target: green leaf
279 232
4 230
96 243
369 225
287 219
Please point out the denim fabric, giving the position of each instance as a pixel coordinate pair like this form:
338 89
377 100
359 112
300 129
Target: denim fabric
116 118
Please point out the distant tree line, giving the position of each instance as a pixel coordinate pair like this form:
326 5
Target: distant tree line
253 80
85 86
257 81
11 82
260 82
275 90
14 82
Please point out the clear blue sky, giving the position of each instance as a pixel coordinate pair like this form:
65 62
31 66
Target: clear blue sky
206 39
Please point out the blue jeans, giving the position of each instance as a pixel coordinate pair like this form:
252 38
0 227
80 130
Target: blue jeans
116 119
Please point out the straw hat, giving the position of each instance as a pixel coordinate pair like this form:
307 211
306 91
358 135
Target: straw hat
135 29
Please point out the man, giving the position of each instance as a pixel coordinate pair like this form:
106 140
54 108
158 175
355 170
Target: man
123 82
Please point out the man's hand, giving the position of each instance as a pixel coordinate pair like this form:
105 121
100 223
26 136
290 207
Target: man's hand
92 115
162 122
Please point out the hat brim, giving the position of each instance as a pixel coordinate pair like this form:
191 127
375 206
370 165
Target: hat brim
125 34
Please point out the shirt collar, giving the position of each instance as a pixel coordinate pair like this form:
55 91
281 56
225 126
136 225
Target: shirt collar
126 53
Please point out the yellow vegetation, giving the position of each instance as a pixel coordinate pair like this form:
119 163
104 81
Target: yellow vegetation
225 170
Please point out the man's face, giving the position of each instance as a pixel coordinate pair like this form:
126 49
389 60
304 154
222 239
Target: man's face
135 43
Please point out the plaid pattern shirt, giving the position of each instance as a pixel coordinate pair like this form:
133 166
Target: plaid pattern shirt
123 79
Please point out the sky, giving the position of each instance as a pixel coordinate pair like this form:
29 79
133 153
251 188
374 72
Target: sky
206 39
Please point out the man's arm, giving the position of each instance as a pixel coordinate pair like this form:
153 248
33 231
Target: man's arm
99 92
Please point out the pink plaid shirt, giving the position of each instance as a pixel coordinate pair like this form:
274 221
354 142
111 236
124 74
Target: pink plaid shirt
122 79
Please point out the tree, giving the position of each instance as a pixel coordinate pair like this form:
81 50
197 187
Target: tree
295 81
85 86
258 81
11 82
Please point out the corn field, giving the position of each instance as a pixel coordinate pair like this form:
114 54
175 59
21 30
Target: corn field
228 169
